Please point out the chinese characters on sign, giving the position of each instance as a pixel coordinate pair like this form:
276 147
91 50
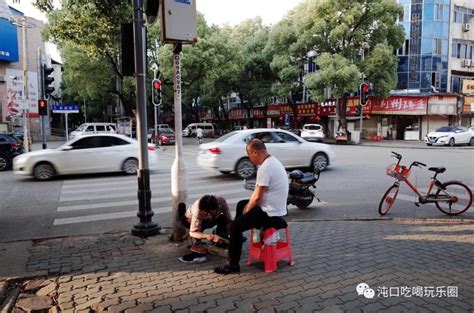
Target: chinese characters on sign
418 291
400 105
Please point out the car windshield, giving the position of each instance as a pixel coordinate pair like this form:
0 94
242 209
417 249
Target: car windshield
225 137
81 128
311 127
166 132
445 129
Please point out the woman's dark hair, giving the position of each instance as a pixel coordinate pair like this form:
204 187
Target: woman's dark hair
208 203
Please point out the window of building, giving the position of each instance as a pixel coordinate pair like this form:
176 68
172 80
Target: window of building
437 46
439 10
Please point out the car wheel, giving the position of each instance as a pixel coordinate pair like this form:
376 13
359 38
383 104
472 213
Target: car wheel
245 169
225 172
429 144
451 142
4 163
320 161
43 171
471 142
130 166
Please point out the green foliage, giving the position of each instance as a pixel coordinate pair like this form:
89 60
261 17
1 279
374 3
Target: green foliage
335 72
381 68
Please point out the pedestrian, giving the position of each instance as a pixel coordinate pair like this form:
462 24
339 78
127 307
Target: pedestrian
199 135
205 213
267 203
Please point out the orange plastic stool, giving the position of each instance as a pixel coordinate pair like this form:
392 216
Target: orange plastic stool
272 253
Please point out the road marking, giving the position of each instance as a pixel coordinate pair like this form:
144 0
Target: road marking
91 206
109 216
88 196
132 180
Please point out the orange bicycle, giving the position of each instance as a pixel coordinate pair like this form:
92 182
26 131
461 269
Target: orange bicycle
452 197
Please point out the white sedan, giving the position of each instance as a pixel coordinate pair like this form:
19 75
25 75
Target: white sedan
227 154
88 154
450 135
312 132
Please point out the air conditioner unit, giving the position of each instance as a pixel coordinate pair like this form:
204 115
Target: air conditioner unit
466 27
466 63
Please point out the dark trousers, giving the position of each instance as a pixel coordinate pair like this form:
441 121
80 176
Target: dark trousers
256 218
221 223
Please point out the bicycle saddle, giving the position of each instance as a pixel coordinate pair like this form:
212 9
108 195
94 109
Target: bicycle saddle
441 169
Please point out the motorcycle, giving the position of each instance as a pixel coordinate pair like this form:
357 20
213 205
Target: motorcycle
300 192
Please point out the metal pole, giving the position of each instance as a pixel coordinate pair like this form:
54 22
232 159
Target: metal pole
26 136
41 93
179 190
67 129
146 227
85 111
156 122
361 119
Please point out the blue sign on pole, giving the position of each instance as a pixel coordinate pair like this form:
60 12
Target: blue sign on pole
8 41
66 108
184 1
287 119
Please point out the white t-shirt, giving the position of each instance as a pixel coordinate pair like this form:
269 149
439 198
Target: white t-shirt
199 132
272 175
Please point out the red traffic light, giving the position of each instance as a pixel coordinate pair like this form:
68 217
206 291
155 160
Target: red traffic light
364 87
156 84
42 107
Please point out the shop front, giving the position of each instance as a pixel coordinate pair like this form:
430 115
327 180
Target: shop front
442 111
467 111
326 111
399 117
467 114
369 125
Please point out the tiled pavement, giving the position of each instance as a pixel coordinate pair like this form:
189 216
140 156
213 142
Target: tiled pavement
429 264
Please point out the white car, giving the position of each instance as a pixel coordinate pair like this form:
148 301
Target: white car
227 154
312 132
450 135
87 154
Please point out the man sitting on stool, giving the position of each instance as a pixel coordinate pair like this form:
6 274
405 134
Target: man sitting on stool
266 205
205 213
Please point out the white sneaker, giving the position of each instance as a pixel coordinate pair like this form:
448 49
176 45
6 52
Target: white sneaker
201 259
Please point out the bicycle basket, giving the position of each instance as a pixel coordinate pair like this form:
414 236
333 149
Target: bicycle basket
397 171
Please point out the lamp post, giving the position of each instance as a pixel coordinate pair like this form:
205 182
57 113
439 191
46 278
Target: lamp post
146 227
24 25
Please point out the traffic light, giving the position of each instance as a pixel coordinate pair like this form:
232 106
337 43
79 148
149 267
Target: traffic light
364 90
42 107
156 92
47 80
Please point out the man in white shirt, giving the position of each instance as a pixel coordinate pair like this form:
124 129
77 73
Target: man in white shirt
267 202
199 134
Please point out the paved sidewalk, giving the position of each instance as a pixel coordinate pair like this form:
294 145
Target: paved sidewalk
413 265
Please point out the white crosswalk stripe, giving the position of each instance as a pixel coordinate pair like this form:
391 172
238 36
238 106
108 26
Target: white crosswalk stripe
108 198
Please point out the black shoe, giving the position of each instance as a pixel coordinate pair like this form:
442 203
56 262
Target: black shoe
227 269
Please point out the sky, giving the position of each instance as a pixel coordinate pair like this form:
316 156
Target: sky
217 12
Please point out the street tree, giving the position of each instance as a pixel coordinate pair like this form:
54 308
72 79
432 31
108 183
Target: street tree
342 29
256 75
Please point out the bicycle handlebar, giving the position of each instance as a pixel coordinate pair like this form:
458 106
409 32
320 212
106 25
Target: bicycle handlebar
398 156
416 163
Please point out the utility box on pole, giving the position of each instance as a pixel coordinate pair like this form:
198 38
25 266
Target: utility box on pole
178 21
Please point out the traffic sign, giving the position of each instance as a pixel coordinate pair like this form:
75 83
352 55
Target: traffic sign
66 108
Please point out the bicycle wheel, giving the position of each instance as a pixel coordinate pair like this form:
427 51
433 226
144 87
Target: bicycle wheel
460 195
388 199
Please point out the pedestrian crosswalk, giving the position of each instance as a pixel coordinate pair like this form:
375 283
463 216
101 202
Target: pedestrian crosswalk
96 199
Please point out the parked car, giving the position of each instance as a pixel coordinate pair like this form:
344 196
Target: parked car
312 132
227 154
10 147
166 137
94 128
87 154
207 129
450 136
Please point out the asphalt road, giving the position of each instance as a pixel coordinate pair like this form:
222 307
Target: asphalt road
87 204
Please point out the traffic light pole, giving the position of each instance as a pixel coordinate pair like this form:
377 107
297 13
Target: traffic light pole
146 227
41 88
